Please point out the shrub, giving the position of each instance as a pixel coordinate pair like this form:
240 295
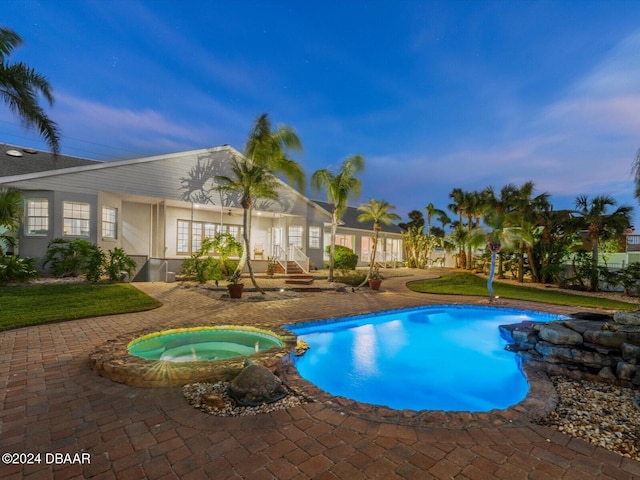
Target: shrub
16 269
119 264
70 258
205 267
344 259
352 278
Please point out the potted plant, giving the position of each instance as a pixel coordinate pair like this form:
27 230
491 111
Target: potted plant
375 280
271 266
234 286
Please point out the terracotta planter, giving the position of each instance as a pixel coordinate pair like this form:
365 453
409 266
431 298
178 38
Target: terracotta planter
374 283
235 290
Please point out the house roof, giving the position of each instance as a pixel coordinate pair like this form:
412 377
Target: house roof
15 160
350 219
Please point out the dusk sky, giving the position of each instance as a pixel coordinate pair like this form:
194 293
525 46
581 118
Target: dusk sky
434 94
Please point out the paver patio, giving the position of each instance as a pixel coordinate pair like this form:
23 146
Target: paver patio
52 402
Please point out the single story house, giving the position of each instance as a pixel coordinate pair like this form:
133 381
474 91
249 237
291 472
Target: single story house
159 208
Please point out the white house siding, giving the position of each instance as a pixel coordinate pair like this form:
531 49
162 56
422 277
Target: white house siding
136 228
150 197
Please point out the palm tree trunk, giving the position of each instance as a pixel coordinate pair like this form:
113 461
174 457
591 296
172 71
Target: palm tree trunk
332 247
246 221
492 272
594 266
521 263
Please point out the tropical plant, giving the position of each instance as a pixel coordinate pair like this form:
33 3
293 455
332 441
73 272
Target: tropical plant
20 88
432 212
205 267
251 181
593 217
10 216
416 219
270 148
378 211
119 265
501 234
70 258
16 269
339 187
235 277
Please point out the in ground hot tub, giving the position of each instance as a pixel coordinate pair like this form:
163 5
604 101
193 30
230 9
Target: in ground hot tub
200 344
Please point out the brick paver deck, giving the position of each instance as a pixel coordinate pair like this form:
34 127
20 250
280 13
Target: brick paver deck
51 402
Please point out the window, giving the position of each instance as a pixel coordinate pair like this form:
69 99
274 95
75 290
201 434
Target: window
295 236
75 219
314 237
109 222
183 237
37 222
191 234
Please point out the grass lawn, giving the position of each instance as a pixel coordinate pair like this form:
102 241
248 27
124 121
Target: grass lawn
469 284
22 306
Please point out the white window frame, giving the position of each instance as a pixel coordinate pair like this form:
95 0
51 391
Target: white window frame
292 236
315 236
37 215
76 219
109 223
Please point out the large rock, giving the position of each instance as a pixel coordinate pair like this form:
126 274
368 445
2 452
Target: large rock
627 318
256 385
565 354
560 335
606 338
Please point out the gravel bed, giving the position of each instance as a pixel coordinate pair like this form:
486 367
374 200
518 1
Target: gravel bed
212 398
604 415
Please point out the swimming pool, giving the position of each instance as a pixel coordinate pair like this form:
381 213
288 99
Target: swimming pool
444 357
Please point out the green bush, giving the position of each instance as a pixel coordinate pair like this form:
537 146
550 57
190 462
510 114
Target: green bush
204 267
352 278
119 264
16 269
70 258
344 259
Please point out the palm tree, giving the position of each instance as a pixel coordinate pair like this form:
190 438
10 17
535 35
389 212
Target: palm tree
378 211
600 225
432 211
339 186
20 86
10 216
269 149
501 235
457 206
250 181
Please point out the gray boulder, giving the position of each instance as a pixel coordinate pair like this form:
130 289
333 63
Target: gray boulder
256 385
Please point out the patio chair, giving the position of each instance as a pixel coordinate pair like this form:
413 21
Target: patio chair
258 251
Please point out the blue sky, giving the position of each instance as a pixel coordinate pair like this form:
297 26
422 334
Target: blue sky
434 94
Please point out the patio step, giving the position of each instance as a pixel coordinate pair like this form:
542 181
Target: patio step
299 280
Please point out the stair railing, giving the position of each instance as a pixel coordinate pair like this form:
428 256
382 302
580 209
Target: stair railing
280 256
298 256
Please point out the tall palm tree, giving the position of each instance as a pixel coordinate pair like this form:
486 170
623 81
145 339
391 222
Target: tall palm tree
600 225
10 216
432 211
457 206
20 86
250 181
378 211
339 186
270 149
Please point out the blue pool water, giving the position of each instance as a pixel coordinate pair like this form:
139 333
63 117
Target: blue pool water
445 357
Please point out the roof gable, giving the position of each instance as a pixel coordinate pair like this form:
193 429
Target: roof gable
350 219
